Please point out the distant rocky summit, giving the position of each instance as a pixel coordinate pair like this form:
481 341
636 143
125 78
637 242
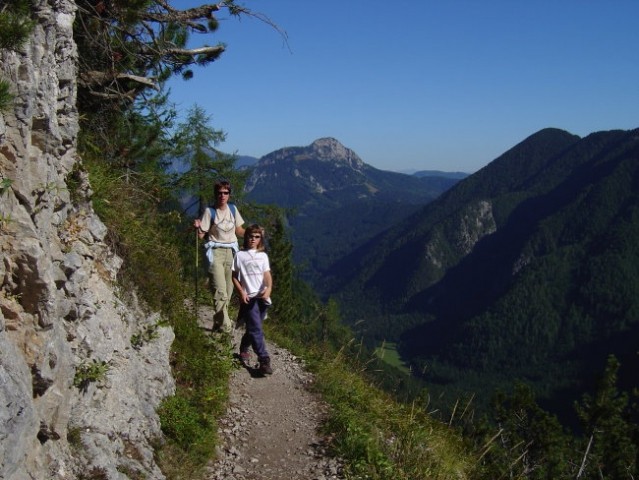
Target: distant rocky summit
323 149
78 399
326 175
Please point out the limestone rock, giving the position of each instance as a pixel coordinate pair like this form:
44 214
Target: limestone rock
59 310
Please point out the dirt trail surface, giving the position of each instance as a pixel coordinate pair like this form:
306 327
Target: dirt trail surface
270 430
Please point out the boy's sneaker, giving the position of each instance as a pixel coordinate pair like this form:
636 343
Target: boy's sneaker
245 358
265 366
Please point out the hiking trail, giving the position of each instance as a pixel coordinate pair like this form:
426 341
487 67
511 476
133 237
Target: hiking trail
271 427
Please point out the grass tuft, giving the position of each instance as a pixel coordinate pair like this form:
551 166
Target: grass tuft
382 438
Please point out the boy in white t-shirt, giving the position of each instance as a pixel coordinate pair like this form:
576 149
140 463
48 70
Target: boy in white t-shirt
254 283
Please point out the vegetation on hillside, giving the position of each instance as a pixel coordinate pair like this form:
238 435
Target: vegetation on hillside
124 141
544 298
525 270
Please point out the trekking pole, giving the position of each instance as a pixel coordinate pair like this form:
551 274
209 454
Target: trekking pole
197 268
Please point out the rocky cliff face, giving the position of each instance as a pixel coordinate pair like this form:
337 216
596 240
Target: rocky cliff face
77 398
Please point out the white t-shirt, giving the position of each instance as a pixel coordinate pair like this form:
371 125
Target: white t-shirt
251 265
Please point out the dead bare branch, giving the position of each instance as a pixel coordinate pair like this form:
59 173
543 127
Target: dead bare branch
95 78
583 462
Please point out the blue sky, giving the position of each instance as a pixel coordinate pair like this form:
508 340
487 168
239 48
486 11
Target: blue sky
418 84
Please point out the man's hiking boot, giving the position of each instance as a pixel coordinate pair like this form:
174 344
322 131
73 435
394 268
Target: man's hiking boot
265 366
245 359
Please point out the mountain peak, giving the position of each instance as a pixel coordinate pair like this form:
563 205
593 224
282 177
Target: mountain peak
329 148
326 141
326 149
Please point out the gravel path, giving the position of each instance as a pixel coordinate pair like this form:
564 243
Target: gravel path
270 430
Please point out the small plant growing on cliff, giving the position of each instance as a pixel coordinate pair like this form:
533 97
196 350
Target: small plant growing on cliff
74 437
5 95
95 473
5 184
4 220
92 371
148 334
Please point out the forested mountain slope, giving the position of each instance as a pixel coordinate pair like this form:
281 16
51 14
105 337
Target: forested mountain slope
336 201
415 254
527 269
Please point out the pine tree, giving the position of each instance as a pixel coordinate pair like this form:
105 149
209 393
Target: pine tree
15 27
529 443
612 436
128 47
196 143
